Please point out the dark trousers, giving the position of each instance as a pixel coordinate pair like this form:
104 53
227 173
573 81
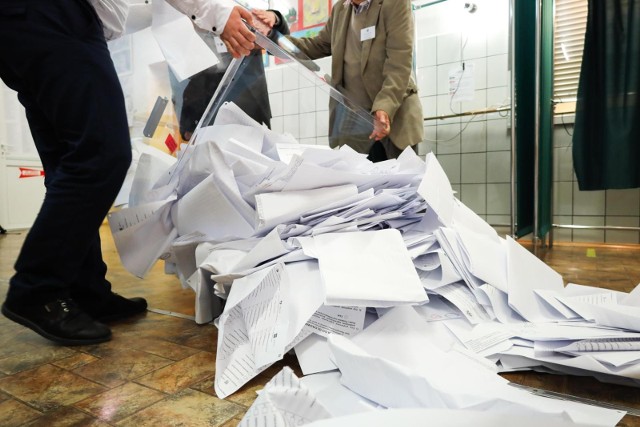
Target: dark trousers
385 150
53 53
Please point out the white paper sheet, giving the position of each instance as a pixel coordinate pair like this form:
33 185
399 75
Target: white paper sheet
329 319
450 243
284 402
585 304
207 210
602 306
482 341
445 275
500 305
602 344
321 213
185 52
553 299
436 190
306 295
526 273
412 373
313 355
465 218
609 371
437 309
150 176
619 316
353 273
460 296
633 299
183 251
335 397
252 329
267 248
282 207
149 167
555 331
262 319
417 417
142 235
484 258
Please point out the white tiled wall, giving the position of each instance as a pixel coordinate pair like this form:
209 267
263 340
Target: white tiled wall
298 104
474 151
20 199
571 206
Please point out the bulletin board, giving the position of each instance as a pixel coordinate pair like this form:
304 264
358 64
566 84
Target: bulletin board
313 13
288 9
305 17
303 14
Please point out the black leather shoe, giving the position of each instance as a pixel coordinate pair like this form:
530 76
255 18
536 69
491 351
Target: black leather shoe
60 321
113 307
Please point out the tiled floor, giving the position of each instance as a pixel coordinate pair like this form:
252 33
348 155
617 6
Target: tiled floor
158 369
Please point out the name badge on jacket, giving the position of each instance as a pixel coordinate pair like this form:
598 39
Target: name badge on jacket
367 33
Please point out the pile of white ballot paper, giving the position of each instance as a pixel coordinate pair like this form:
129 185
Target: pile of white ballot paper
400 303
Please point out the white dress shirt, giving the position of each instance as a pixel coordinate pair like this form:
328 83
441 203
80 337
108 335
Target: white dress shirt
210 15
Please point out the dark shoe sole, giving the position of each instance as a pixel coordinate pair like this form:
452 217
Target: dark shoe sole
57 339
125 314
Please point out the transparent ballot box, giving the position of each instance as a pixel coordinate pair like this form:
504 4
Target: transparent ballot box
246 129
278 87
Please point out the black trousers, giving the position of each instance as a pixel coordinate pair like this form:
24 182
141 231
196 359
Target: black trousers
53 53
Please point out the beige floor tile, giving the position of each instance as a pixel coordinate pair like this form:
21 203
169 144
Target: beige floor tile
247 393
233 422
75 361
67 417
187 408
190 376
182 374
14 413
13 347
16 339
153 325
202 337
118 344
165 349
121 366
48 387
31 359
120 402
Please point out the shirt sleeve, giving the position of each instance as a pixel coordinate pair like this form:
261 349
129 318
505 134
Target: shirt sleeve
139 18
397 66
210 15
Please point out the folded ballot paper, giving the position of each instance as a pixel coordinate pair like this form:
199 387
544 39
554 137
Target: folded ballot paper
393 294
394 372
347 270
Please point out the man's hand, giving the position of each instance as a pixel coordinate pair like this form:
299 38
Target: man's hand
265 20
236 36
381 126
266 16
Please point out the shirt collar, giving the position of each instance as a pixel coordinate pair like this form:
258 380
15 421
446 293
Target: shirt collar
357 9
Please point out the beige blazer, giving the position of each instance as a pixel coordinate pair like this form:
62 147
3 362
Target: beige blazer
386 62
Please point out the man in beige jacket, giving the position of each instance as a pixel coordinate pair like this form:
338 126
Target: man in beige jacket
371 44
